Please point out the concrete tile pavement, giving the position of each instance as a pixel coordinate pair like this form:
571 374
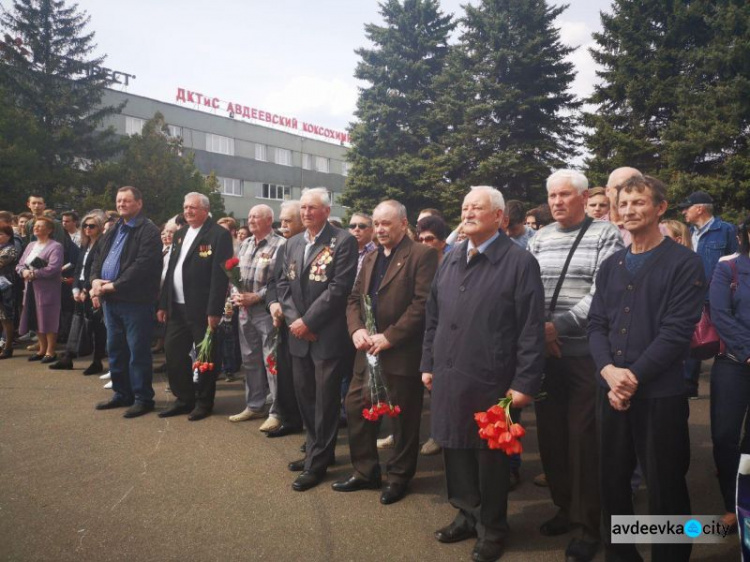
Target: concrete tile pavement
78 484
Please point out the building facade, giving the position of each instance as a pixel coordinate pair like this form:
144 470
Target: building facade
253 163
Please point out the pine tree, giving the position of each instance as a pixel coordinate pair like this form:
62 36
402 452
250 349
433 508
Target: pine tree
156 164
393 149
506 99
707 144
50 74
641 51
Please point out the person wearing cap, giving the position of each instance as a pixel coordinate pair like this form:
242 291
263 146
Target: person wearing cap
712 239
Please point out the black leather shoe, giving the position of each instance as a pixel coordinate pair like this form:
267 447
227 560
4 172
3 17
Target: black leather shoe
355 483
36 357
65 363
95 368
581 551
199 413
283 430
487 551
49 359
558 525
113 403
138 409
7 352
393 492
297 466
307 480
176 410
455 533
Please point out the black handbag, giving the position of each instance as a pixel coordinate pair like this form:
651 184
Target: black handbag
80 341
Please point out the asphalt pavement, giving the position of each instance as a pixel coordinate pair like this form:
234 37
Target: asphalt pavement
85 485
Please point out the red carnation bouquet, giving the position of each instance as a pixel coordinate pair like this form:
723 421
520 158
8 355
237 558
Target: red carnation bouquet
498 429
203 361
272 357
232 268
381 402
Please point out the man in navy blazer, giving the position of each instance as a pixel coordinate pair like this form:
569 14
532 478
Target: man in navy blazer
320 265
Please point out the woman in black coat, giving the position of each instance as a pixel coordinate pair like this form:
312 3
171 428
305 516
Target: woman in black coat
92 228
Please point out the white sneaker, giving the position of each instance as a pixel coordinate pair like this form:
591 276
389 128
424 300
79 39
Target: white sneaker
108 385
106 376
386 442
270 424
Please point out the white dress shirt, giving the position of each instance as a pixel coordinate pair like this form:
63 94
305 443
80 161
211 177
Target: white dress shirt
179 291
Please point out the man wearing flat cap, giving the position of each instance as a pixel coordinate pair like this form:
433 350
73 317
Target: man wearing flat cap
712 239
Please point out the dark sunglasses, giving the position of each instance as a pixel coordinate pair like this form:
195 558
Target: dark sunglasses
428 238
90 226
359 225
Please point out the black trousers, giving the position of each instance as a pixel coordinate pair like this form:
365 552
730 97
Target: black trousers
655 432
317 383
408 393
286 400
566 428
478 482
179 339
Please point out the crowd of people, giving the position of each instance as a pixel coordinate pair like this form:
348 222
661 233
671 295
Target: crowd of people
584 308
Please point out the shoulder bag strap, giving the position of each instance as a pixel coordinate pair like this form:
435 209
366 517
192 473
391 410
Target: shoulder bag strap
584 227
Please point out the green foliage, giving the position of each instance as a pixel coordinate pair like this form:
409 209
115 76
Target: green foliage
154 163
674 100
45 64
393 154
506 102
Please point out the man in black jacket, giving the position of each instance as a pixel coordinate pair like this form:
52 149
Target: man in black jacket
648 299
125 280
192 298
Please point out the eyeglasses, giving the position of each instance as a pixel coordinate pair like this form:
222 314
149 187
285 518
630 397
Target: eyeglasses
359 225
89 226
428 238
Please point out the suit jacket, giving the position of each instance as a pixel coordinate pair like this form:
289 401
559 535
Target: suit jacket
321 302
400 313
204 281
484 335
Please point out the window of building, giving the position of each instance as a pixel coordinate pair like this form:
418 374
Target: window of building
230 186
219 144
278 192
260 152
332 197
175 131
322 164
283 157
345 168
306 162
134 126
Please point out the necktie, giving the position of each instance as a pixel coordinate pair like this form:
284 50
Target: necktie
473 252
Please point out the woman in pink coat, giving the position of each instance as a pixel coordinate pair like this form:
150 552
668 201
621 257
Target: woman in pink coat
41 267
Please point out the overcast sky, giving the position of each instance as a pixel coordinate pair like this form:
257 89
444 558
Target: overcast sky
292 57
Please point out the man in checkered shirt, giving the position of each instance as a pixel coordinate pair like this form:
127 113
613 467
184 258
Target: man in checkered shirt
257 256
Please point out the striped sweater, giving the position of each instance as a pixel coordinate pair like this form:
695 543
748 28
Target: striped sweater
551 246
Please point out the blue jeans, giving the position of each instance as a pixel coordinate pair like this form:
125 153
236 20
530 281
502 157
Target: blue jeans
130 328
730 419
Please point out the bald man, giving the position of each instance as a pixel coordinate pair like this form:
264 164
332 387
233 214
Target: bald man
257 255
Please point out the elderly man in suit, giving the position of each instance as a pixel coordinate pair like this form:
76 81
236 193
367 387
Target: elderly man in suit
320 265
484 340
192 298
397 278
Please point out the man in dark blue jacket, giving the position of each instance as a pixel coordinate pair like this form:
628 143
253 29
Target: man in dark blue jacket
648 299
712 239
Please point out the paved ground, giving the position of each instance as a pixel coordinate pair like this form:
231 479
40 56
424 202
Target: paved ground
76 484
